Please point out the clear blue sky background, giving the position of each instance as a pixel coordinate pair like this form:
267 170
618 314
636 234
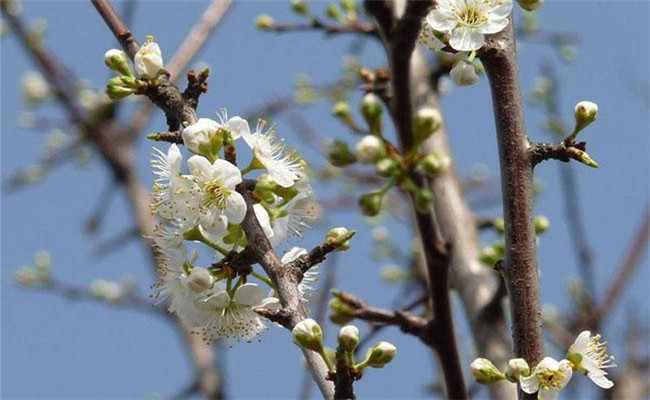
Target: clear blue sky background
52 348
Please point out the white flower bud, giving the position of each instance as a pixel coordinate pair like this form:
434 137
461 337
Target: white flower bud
197 136
380 355
116 60
34 87
264 22
585 113
427 121
308 334
369 149
339 237
517 367
148 60
463 74
371 109
485 372
349 337
200 279
107 291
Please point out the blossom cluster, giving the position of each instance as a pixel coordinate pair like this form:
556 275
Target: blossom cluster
587 355
200 200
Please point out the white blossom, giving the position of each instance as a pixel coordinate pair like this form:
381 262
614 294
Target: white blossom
283 167
309 277
548 377
589 355
467 21
297 213
198 135
148 60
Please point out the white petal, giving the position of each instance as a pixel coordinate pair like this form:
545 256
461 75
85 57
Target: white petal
600 379
174 158
548 394
494 25
200 167
581 341
440 22
227 173
271 303
249 294
548 363
466 39
264 220
529 384
238 127
218 300
292 254
235 208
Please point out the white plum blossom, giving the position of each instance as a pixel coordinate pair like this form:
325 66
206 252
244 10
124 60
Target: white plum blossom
548 378
589 355
467 21
296 214
148 60
199 134
283 167
236 125
309 277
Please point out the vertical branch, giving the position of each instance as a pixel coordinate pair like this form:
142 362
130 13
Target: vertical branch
520 266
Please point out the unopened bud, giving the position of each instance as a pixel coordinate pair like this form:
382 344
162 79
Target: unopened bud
530 5
116 60
341 109
340 238
34 87
148 60
585 113
340 313
435 164
387 167
120 87
427 121
370 149
299 7
370 203
587 160
339 155
264 22
349 5
463 74
380 355
485 372
541 224
371 109
198 136
517 367
333 12
500 225
200 279
308 335
423 200
349 338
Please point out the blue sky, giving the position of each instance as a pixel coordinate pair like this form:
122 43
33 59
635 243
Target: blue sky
54 348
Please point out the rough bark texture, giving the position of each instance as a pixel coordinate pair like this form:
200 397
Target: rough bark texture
520 265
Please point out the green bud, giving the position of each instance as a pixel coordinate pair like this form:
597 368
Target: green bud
340 313
485 372
264 22
387 167
370 203
489 256
120 87
349 338
340 238
370 149
371 109
427 121
299 7
333 12
379 355
349 5
541 224
500 225
116 60
530 5
585 113
308 335
423 200
339 155
517 367
435 164
587 160
341 109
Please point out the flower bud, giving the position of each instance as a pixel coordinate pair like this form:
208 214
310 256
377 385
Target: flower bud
341 110
370 149
500 225
585 113
380 355
116 60
107 291
339 237
387 167
349 338
148 60
340 313
264 22
120 87
299 7
485 372
339 155
489 256
371 109
198 136
34 88
427 121
370 203
517 367
463 74
200 279
530 5
349 5
308 335
333 12
587 160
541 224
435 164
423 200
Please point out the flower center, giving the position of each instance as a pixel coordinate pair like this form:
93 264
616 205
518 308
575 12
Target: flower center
472 16
551 379
216 194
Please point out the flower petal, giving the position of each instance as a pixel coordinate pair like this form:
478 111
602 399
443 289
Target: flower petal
529 384
249 294
600 379
466 39
227 173
200 167
235 208
238 127
440 21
